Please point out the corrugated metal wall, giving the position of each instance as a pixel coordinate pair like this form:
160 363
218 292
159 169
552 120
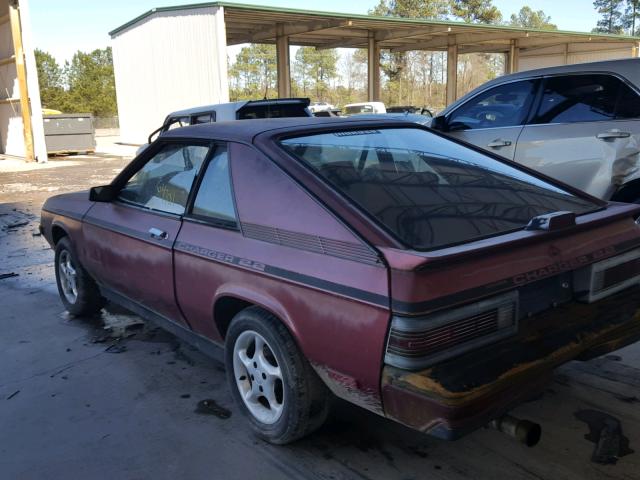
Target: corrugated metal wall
167 62
573 53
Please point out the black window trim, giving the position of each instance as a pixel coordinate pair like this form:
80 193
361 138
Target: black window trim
536 89
534 111
134 167
195 188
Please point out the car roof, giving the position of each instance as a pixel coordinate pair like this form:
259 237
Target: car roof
628 68
247 130
360 104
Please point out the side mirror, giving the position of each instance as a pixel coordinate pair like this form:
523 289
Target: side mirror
105 193
439 123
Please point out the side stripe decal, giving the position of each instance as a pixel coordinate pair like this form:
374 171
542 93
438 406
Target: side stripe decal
222 257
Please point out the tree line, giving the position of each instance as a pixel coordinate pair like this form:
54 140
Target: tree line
408 78
86 84
618 16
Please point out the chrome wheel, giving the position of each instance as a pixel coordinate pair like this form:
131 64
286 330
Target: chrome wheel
258 377
68 277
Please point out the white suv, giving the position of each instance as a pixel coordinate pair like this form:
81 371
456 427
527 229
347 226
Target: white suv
577 123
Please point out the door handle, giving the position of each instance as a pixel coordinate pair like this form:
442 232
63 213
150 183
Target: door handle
611 134
158 234
498 142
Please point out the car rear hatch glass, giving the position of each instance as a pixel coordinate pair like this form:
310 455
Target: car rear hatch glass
427 190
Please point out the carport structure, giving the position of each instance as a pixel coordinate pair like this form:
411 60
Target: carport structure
284 27
188 43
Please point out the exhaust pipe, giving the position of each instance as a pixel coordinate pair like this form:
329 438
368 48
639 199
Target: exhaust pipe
522 430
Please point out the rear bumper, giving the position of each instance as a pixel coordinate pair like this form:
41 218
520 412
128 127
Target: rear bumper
457 396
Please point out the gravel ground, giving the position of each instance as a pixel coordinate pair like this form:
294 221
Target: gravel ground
112 397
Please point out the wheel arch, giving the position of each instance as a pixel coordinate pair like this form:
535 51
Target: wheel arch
58 231
232 299
627 192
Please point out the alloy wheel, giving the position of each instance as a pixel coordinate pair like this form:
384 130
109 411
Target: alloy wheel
258 377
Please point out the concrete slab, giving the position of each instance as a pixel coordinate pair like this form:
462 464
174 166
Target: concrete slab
80 401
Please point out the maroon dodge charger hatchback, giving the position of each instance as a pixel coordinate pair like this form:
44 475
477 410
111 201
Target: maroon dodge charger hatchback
378 261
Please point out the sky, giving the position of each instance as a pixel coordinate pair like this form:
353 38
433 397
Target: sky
61 27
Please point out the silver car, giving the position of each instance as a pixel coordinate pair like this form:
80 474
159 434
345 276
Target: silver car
577 123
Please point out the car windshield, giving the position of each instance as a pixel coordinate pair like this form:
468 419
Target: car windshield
428 191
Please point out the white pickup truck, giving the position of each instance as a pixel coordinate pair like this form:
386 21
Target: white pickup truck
242 110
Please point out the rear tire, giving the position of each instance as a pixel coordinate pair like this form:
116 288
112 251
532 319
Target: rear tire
270 380
79 293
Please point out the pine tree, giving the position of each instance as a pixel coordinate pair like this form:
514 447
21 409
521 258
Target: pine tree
631 18
528 18
476 11
611 20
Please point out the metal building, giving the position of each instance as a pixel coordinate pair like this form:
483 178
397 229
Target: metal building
175 57
21 127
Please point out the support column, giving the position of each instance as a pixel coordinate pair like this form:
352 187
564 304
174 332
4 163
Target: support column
513 57
284 66
452 70
636 50
16 35
373 70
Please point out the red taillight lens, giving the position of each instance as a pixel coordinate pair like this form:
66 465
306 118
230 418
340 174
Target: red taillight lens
419 342
608 276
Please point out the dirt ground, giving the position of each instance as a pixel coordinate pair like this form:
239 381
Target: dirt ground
112 397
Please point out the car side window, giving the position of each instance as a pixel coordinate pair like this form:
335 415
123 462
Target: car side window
628 105
165 181
502 106
214 200
203 118
177 122
586 98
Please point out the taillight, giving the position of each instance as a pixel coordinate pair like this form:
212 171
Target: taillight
608 276
417 342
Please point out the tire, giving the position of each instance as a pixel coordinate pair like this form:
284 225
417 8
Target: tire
298 401
79 293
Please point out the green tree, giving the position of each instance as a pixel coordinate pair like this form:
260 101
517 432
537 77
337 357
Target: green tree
529 18
611 20
476 11
51 80
253 74
394 65
631 16
91 83
315 69
431 9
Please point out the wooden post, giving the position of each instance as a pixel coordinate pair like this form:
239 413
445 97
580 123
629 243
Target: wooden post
25 109
513 57
452 70
373 69
283 65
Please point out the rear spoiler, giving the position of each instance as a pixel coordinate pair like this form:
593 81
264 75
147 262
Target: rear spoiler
612 213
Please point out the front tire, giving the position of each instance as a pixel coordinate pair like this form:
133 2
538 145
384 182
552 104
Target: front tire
270 380
79 293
